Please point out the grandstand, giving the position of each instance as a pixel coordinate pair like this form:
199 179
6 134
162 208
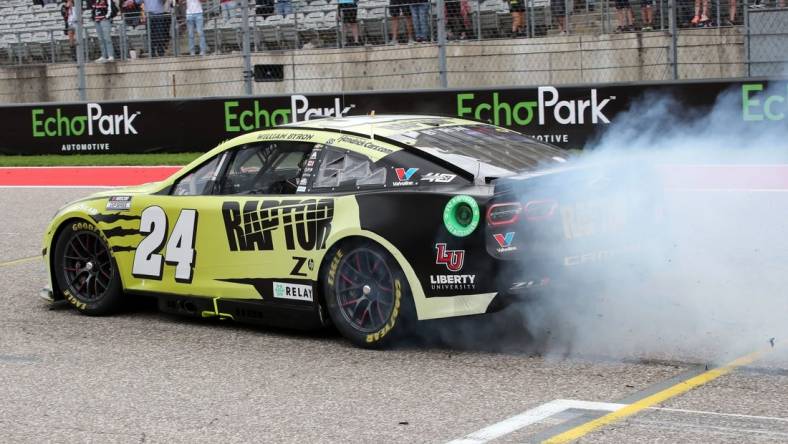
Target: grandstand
32 34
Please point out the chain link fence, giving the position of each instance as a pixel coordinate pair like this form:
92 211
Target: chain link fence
300 46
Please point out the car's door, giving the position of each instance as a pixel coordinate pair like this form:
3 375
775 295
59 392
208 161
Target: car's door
229 223
173 249
272 233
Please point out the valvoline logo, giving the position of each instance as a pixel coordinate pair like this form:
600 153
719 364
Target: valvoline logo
504 241
403 174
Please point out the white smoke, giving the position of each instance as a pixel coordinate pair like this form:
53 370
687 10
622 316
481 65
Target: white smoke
711 277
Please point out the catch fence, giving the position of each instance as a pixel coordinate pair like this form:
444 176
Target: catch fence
294 46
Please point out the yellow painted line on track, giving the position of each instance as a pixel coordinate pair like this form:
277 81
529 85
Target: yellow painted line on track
19 261
649 401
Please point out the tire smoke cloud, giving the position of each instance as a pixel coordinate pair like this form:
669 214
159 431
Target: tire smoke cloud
709 278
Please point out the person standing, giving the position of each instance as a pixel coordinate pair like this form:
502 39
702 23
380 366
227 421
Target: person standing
419 10
517 9
625 18
195 21
399 8
701 18
283 7
159 21
457 16
647 14
348 11
70 18
102 12
228 9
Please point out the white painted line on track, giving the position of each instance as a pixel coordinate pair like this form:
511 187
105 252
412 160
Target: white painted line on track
532 416
722 190
731 415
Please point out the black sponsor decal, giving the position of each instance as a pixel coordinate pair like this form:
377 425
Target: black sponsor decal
119 232
112 218
282 290
300 262
306 223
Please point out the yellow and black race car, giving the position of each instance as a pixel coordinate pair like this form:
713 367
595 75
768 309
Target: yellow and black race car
365 223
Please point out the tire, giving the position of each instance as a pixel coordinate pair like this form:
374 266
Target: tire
367 295
85 271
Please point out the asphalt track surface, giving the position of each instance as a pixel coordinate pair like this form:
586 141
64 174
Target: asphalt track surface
143 376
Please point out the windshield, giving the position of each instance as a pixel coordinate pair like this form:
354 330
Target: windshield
500 149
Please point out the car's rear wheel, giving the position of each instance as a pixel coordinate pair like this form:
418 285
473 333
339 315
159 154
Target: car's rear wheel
85 270
367 295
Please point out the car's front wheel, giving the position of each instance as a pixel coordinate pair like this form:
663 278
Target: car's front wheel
367 295
85 271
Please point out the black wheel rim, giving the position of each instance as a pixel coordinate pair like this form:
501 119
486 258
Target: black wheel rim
87 266
364 288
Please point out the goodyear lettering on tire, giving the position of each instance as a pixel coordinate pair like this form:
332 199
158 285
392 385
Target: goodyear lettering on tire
378 335
79 226
74 301
332 271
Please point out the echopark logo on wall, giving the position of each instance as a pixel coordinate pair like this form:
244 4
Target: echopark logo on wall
405 174
452 259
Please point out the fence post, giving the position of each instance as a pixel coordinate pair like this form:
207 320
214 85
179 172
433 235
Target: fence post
747 39
80 52
52 45
247 74
174 32
148 28
444 81
673 38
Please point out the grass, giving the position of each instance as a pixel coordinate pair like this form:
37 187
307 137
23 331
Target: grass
98 159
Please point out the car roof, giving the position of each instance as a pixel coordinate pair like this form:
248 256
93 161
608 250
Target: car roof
391 126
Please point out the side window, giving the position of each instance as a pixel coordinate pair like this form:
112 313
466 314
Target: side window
347 170
200 181
270 168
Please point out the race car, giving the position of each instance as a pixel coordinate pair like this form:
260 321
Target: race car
368 223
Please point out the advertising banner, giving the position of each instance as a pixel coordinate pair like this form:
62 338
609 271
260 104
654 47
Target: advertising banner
566 116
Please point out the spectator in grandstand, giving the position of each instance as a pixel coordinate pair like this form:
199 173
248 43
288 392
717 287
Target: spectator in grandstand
517 9
70 19
156 13
102 12
558 11
624 14
194 20
701 18
419 11
264 8
458 17
348 11
283 7
647 14
732 12
397 9
132 14
228 9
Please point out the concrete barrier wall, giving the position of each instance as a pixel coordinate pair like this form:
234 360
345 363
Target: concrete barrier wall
702 54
